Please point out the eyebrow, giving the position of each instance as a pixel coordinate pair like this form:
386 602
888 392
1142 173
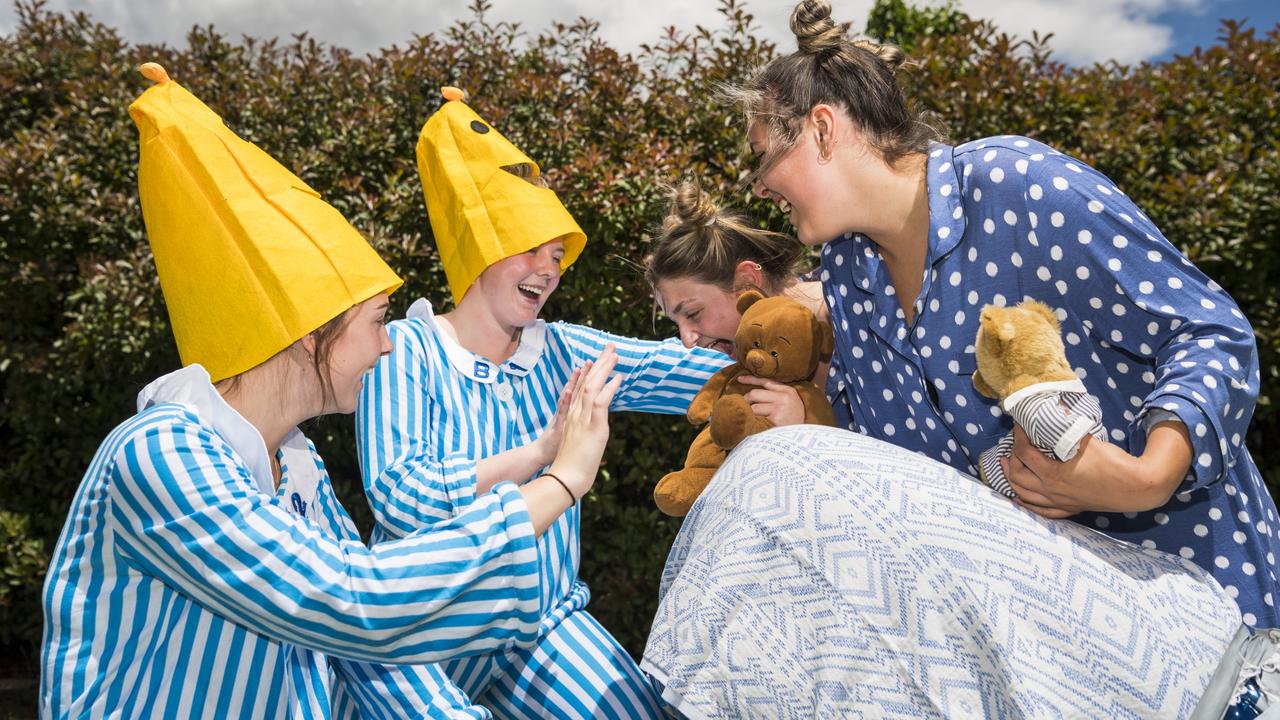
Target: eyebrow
676 310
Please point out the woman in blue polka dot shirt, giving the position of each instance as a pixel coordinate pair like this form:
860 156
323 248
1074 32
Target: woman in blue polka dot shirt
918 236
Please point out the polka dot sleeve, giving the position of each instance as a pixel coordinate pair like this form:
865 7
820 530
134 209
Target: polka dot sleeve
1133 290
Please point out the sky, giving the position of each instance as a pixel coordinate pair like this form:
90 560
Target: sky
1085 31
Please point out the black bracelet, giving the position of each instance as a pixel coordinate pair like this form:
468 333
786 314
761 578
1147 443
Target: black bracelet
555 477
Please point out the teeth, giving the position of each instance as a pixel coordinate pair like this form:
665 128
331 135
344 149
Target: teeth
532 289
784 206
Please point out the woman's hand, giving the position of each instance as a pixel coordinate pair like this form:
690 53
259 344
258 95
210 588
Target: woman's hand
778 403
1102 477
548 443
585 428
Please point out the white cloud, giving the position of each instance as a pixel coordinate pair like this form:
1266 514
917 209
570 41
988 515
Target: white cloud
1085 31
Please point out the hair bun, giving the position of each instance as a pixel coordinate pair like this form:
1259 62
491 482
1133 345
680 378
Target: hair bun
814 29
690 206
890 55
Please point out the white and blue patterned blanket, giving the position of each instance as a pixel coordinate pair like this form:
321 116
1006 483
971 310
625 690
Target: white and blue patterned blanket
827 574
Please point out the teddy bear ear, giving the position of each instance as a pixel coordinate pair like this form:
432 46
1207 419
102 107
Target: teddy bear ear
747 299
988 314
1040 308
992 318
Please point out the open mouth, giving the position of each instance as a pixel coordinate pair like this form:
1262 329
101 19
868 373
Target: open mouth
784 205
724 346
532 292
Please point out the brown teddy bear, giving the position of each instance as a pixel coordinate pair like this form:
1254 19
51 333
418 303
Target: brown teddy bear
1023 364
778 339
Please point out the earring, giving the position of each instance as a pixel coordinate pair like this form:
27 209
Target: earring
757 266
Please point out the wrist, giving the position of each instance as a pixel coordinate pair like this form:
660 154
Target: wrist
578 479
543 452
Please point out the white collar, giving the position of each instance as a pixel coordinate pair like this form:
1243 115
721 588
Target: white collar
1075 385
532 342
192 387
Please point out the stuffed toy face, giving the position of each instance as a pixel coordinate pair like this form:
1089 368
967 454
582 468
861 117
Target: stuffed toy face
1018 346
778 339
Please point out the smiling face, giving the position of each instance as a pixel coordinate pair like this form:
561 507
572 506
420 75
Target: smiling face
704 313
515 288
815 186
356 350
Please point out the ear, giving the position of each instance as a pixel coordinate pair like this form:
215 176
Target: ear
825 120
747 299
1040 308
748 274
308 343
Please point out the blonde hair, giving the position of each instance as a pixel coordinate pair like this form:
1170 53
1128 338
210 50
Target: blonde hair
699 240
527 172
857 75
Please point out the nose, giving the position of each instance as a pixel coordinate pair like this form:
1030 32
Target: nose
687 334
385 347
758 189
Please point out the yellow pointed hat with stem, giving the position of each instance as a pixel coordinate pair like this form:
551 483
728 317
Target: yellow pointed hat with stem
250 258
482 209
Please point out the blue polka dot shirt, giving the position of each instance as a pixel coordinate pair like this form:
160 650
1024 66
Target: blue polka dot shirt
1150 336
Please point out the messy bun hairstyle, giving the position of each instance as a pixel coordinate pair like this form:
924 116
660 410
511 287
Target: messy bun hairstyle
701 241
831 67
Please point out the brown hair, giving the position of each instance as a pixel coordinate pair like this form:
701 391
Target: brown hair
699 240
325 337
857 75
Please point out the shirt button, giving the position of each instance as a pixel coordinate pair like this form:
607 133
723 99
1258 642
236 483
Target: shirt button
503 392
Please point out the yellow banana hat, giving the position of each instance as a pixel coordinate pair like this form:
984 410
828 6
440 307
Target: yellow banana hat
250 258
481 213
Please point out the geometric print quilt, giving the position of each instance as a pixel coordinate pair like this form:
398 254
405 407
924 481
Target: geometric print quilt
825 574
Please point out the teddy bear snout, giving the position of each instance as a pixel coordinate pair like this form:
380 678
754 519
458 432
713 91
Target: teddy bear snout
760 363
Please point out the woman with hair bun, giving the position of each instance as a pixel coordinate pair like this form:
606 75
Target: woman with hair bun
931 582
703 258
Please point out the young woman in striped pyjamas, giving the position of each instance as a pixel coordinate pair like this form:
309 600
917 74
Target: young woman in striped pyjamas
206 568
477 387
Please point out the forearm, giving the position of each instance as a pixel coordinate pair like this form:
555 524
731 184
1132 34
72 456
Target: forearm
417 491
1165 462
547 501
1146 482
393 603
658 376
515 465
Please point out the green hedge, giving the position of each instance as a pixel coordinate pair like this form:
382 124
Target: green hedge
1193 140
